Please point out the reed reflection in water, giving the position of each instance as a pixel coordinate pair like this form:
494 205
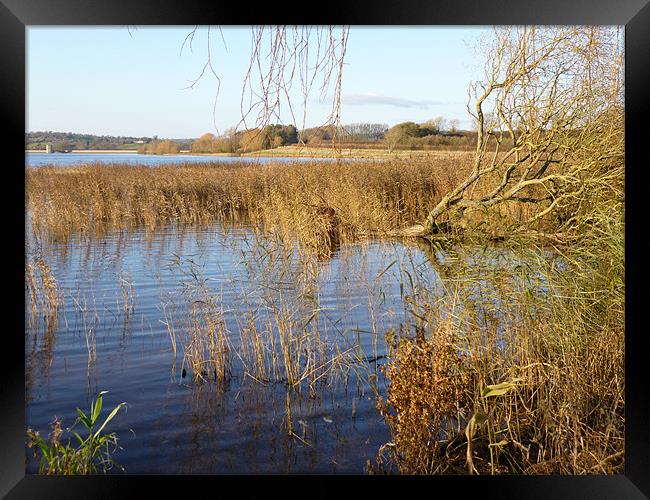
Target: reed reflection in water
236 351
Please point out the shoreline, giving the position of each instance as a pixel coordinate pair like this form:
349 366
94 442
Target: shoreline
85 151
285 152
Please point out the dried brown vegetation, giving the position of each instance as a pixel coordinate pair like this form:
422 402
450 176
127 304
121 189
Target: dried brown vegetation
514 372
42 293
321 203
536 379
278 334
544 395
517 371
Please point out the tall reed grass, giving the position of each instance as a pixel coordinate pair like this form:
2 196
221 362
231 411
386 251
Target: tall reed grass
513 371
42 291
272 333
322 203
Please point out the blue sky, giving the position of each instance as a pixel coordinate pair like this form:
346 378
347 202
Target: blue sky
116 81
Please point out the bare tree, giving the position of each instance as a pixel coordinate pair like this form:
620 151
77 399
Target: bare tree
555 96
435 125
452 125
365 131
393 137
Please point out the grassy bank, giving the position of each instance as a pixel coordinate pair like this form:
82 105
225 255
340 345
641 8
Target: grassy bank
327 151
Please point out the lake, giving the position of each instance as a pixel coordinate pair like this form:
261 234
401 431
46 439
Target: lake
183 426
69 159
128 297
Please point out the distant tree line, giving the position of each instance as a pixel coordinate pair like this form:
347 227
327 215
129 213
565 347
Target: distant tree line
67 141
273 136
364 132
433 134
354 133
157 147
269 137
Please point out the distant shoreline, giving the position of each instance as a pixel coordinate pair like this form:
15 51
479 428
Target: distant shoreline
86 151
288 152
123 151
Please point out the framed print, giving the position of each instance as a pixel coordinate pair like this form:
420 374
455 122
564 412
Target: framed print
383 243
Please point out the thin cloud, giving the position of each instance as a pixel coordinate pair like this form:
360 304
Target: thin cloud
370 98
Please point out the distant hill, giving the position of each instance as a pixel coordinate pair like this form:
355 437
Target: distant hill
71 140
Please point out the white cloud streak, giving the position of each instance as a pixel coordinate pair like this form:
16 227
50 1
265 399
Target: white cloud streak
372 99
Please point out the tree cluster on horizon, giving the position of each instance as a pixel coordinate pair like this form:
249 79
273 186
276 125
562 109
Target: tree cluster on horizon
407 135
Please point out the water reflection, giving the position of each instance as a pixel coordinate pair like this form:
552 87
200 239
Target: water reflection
151 315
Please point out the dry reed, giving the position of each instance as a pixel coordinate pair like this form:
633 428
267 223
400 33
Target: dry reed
514 371
322 203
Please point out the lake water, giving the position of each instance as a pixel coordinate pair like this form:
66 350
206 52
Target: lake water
126 295
70 159
182 426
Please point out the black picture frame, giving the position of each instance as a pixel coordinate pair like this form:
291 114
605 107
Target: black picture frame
16 15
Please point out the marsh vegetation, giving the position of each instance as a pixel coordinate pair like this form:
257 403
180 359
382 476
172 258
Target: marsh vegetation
455 313
320 301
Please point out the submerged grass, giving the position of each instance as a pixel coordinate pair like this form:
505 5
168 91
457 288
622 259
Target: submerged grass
42 291
272 333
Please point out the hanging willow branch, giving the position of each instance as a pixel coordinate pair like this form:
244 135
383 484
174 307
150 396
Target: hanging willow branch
280 57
